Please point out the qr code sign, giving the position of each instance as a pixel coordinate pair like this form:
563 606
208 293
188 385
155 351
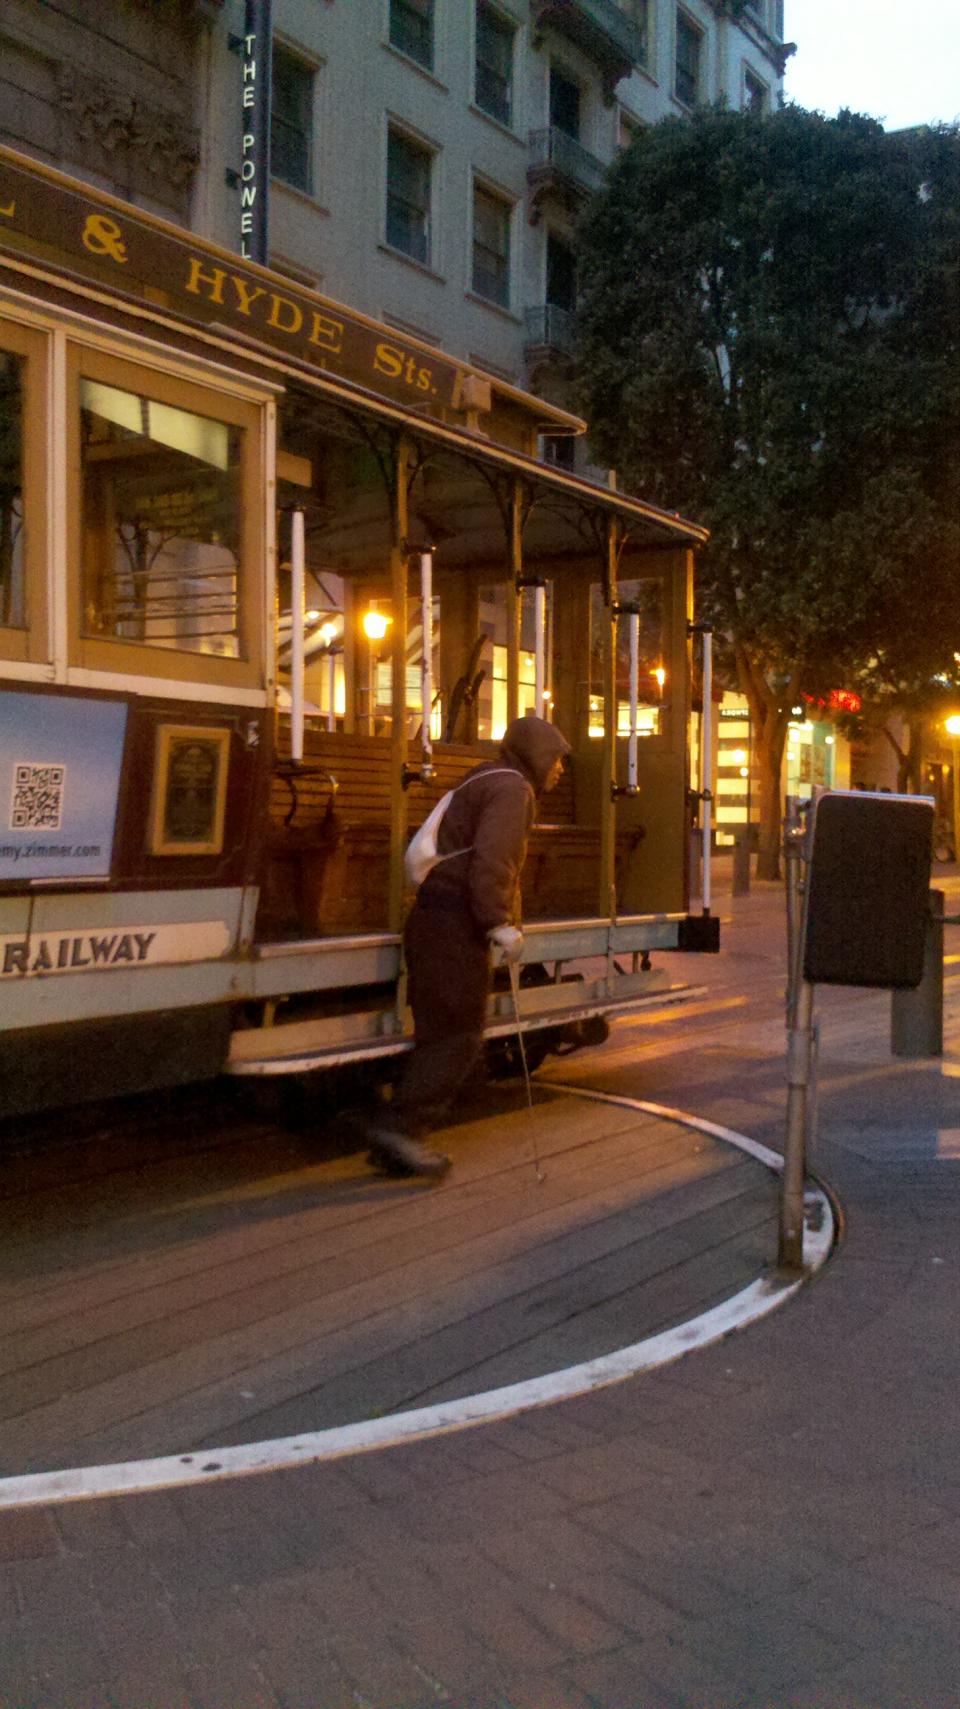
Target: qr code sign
37 796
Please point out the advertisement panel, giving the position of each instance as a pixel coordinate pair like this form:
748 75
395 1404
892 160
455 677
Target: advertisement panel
60 762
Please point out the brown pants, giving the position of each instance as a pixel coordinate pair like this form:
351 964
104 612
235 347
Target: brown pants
448 967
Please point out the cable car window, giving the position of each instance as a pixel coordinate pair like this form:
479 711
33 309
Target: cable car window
161 522
490 687
12 568
646 597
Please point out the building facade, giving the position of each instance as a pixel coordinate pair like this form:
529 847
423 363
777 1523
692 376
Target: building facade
429 157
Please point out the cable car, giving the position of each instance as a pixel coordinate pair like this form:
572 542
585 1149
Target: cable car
273 576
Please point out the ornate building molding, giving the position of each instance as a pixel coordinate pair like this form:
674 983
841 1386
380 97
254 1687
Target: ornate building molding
102 113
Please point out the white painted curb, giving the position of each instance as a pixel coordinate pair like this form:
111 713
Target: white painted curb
84 1483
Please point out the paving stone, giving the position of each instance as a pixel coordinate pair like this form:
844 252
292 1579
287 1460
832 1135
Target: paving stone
151 1519
618 1681
147 1686
236 1685
543 1691
27 1533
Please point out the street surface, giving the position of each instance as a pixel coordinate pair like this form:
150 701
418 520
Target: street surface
772 1523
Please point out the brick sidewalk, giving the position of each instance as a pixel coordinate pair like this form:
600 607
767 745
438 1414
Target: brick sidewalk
772 1522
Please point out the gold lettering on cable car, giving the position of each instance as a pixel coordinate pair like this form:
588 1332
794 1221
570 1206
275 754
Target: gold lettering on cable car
103 236
7 210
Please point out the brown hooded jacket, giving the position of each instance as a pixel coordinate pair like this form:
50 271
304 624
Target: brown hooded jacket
486 825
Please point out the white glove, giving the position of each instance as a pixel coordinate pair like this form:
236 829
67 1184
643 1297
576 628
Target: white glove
506 943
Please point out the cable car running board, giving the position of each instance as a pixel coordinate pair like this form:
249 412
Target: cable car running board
305 1046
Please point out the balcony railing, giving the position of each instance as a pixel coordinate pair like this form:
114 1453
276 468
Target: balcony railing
552 149
549 331
561 168
600 28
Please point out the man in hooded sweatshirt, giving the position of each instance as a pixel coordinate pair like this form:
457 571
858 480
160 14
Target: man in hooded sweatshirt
467 907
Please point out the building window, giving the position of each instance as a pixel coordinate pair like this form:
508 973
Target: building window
409 166
561 274
561 451
564 103
687 83
639 11
494 79
491 246
411 29
291 121
756 96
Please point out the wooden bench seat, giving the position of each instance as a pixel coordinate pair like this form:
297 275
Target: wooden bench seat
328 851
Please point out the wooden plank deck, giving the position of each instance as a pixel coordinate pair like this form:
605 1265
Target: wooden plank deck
205 1280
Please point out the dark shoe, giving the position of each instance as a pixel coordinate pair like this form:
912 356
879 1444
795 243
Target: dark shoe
397 1155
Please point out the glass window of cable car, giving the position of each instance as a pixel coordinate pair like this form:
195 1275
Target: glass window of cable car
646 597
167 493
12 591
22 510
161 512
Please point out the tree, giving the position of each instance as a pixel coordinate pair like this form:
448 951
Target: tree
760 346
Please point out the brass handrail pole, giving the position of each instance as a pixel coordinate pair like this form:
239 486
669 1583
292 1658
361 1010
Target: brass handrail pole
398 685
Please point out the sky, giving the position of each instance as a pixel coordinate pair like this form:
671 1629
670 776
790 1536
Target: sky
899 63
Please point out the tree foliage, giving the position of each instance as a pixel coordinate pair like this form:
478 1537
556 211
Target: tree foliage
768 341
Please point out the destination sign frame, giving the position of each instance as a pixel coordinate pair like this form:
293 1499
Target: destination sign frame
44 215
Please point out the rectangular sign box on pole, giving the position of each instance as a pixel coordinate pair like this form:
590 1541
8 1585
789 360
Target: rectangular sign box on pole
868 880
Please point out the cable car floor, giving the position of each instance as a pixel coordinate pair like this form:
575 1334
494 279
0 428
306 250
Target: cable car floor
192 1272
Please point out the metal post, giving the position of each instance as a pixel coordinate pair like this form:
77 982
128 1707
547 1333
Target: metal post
706 762
741 861
426 663
513 603
331 690
696 849
634 628
607 890
298 619
540 648
916 1017
398 687
799 1060
955 781
793 837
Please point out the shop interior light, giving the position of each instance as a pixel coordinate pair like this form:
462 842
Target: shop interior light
952 724
328 633
739 756
375 624
661 676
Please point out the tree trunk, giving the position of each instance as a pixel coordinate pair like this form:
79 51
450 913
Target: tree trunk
769 717
914 768
769 752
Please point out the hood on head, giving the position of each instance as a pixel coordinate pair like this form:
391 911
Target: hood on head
533 745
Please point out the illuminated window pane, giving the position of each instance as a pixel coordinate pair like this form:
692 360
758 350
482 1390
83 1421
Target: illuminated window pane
161 523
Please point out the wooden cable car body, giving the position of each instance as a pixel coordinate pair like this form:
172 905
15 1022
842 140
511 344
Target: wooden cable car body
193 877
